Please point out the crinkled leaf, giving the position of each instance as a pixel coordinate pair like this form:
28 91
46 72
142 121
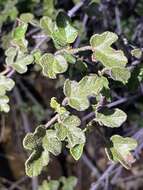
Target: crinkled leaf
6 84
51 143
51 185
53 65
35 163
56 106
71 121
120 150
61 131
64 32
34 140
77 151
26 17
78 92
19 62
75 136
47 25
111 118
4 107
120 74
69 183
137 53
103 52
19 36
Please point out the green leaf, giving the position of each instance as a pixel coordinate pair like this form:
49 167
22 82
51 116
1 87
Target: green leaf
120 150
34 140
51 185
19 36
111 118
120 74
78 92
103 52
53 65
137 53
4 107
57 107
64 33
69 183
77 151
75 136
26 17
51 143
39 156
47 25
35 163
61 131
6 84
18 60
71 121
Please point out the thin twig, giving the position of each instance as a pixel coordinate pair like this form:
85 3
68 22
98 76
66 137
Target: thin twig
75 8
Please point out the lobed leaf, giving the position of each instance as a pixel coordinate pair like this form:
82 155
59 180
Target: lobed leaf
103 52
53 65
78 92
111 118
120 150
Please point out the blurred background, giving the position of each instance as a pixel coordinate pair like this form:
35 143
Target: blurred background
29 100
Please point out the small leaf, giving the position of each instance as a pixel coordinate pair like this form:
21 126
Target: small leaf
51 143
35 163
77 151
120 74
51 185
111 118
120 150
137 53
75 136
6 84
78 92
26 17
18 60
47 25
19 36
4 107
32 140
69 183
52 65
64 32
103 52
61 131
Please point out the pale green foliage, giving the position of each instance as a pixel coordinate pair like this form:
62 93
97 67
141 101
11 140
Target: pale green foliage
77 151
6 84
51 142
102 50
64 32
18 60
64 184
47 25
51 185
40 143
120 74
137 53
61 31
68 130
111 117
53 65
56 106
19 36
26 17
78 92
112 59
120 150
